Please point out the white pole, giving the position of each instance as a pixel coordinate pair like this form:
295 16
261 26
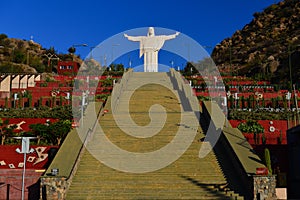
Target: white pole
296 102
23 176
82 104
24 149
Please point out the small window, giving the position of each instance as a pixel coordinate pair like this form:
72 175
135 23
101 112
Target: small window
69 67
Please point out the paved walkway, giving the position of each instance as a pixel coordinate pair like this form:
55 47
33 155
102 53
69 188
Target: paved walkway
189 177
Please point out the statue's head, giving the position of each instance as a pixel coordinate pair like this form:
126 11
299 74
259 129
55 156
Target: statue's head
151 31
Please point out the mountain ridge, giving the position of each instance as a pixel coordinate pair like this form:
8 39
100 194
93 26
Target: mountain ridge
27 56
263 47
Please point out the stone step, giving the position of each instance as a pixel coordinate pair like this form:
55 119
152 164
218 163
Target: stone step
189 177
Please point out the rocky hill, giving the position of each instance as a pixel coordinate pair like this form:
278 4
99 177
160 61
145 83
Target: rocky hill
262 49
22 56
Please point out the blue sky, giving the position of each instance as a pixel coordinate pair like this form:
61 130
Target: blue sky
61 23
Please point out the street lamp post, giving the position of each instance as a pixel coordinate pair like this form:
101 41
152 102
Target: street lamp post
230 56
291 78
130 63
290 66
209 47
290 63
91 51
296 103
83 103
172 63
104 60
230 59
24 149
12 54
288 97
78 45
28 56
188 51
112 51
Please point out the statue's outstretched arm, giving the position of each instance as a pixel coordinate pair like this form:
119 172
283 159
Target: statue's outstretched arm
169 37
133 38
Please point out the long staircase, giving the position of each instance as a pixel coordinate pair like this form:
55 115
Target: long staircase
189 177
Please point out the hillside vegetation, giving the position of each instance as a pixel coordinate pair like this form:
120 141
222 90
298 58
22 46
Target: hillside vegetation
22 56
262 49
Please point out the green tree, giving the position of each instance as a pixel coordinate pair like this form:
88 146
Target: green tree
53 102
37 63
51 50
263 102
252 101
106 82
268 160
40 102
276 88
251 126
3 36
203 86
280 137
284 101
115 67
240 88
273 100
264 139
59 130
231 100
8 67
6 102
248 102
30 100
6 130
20 100
41 131
61 100
243 102
19 56
238 103
189 69
51 133
71 50
120 67
227 88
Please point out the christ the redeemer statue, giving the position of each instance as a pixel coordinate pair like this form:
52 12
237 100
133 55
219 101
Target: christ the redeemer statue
149 47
